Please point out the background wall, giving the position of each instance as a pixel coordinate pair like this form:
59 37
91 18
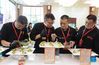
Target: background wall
79 11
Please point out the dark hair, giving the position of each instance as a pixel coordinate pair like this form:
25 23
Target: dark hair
64 17
30 23
92 17
49 15
22 19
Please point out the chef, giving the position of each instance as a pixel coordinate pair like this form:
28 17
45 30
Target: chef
88 35
42 32
12 31
65 34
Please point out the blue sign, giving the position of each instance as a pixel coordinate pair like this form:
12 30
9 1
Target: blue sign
1 18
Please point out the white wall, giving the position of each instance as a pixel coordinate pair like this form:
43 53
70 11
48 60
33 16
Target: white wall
78 11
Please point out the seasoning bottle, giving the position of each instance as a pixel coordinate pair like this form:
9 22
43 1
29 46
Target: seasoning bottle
21 60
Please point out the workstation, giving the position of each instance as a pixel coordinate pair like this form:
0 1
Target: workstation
54 32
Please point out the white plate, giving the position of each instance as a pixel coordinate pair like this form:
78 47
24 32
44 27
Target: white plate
25 52
51 44
76 52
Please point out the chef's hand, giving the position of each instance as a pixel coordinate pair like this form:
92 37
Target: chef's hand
66 45
71 44
53 36
43 33
5 43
